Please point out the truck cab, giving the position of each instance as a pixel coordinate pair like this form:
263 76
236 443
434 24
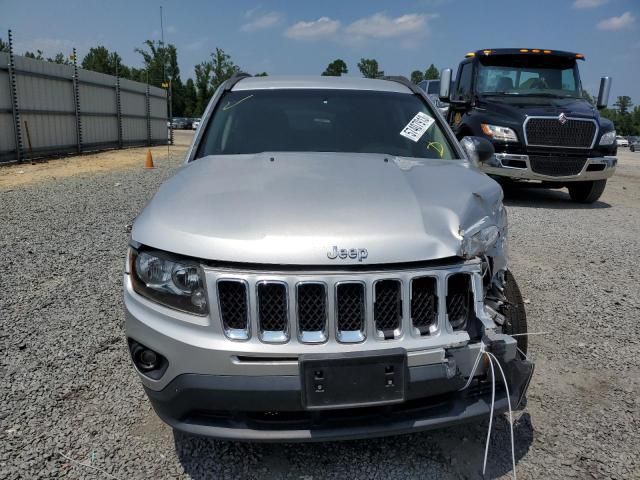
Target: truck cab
529 103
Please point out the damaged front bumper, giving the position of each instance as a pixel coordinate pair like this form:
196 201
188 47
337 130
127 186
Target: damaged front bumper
272 409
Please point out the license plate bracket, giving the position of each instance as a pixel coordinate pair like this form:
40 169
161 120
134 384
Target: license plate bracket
332 381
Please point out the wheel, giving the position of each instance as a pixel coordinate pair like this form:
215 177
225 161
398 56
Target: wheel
586 192
632 148
514 312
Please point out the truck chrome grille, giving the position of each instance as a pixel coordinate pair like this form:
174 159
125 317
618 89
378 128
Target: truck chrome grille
350 311
557 166
348 306
459 300
424 304
233 301
312 312
387 307
549 132
273 311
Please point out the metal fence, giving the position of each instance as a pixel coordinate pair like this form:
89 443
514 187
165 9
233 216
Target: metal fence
48 109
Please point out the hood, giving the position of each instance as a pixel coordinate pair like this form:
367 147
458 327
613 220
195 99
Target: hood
518 108
296 208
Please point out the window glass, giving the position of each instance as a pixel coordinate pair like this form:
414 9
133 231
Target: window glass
248 122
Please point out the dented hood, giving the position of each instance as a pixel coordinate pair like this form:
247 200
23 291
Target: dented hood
293 208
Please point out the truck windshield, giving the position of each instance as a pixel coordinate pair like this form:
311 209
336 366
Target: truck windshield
534 75
290 120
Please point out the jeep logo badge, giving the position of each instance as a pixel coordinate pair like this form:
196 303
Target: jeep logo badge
344 253
562 118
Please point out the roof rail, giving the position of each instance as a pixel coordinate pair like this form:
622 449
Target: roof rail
235 78
404 81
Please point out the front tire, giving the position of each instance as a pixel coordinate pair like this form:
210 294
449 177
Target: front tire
586 192
632 148
514 312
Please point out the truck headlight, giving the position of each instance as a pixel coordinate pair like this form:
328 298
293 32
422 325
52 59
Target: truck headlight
172 282
608 138
479 242
496 132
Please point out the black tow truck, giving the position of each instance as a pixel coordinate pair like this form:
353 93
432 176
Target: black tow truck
529 103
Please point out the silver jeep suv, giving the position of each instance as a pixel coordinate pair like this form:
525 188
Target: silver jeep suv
328 263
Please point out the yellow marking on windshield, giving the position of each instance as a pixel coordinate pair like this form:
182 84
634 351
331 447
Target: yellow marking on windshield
230 105
437 146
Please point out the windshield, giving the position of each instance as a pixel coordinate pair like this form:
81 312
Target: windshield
528 75
248 122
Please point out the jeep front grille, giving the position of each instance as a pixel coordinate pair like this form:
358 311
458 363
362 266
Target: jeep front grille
387 307
312 312
549 132
233 301
557 166
459 300
424 304
350 301
313 307
273 311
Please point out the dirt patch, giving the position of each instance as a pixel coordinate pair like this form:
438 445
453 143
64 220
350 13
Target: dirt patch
25 174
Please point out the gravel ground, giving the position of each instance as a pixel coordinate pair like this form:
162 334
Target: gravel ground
68 390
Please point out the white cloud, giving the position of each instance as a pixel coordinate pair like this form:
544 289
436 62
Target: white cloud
261 21
617 23
382 26
588 3
323 27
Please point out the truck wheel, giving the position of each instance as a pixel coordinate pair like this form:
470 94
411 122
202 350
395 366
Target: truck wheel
586 192
632 148
514 312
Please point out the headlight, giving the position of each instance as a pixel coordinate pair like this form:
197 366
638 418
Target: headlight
171 282
608 138
479 242
502 134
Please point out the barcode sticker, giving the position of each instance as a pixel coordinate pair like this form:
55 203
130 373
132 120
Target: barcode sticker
417 126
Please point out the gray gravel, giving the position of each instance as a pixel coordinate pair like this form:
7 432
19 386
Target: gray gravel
67 386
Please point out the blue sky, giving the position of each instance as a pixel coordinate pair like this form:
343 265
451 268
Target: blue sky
301 37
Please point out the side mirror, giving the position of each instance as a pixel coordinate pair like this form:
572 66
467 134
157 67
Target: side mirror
478 149
445 84
603 93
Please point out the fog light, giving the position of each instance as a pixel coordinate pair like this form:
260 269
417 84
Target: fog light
148 362
147 359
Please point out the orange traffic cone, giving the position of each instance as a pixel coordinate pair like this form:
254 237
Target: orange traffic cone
148 163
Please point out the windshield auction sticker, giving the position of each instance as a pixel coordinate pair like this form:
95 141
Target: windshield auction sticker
417 126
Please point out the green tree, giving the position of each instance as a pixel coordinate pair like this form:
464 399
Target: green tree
335 68
100 59
417 76
203 86
60 58
262 74
161 66
4 46
222 68
624 104
190 99
35 56
432 73
369 68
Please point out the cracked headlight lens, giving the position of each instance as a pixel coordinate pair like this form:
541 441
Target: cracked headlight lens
174 283
608 138
496 132
479 242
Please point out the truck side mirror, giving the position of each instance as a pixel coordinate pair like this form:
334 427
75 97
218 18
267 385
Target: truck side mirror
603 93
445 84
478 149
